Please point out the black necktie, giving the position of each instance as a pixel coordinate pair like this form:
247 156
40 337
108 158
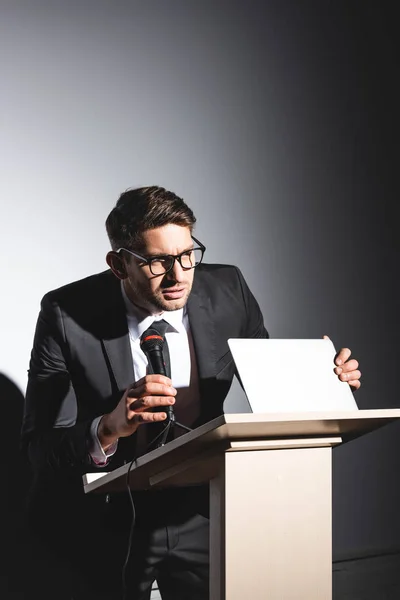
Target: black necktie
161 327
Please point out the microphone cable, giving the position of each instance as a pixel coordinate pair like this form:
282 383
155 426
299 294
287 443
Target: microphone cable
133 521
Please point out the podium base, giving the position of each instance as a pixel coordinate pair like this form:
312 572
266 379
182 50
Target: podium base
275 506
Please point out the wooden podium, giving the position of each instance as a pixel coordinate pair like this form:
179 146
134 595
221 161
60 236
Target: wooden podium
270 496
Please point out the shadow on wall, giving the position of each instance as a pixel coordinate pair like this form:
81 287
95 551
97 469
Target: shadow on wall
13 467
15 484
27 570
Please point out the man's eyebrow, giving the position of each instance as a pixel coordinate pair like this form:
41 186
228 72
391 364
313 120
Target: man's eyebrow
158 254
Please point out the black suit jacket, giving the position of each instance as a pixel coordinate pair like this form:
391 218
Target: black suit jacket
81 365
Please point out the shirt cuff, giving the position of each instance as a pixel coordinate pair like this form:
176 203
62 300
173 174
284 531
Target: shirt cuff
97 454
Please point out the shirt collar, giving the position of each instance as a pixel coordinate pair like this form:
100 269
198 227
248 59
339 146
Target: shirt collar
139 320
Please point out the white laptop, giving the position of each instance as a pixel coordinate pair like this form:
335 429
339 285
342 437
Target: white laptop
289 375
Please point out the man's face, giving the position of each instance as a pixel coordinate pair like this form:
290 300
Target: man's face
157 293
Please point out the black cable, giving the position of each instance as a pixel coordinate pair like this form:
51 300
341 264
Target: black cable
132 527
131 530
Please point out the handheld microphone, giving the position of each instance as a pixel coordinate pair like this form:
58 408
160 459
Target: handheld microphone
152 343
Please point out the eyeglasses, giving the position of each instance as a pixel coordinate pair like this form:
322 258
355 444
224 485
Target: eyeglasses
159 265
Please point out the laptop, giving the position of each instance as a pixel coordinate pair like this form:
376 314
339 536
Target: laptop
290 375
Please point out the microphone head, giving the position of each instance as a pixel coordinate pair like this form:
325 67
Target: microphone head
150 340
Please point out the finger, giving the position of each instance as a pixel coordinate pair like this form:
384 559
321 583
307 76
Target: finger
343 355
326 337
148 417
347 367
352 376
148 402
150 388
356 384
153 378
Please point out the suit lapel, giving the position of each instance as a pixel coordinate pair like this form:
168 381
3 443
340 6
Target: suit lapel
115 335
203 330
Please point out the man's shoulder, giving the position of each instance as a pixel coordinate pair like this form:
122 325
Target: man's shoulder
215 278
91 286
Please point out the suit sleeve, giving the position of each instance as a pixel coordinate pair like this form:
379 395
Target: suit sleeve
52 434
255 323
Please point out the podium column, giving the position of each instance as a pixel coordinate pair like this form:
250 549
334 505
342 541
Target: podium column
271 524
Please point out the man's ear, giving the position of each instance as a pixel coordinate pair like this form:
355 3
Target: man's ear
116 264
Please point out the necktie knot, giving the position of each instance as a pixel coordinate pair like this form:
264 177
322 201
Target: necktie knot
160 326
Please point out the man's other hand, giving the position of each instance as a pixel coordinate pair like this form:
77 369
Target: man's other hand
347 368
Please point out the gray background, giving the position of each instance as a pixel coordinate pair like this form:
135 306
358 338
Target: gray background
276 121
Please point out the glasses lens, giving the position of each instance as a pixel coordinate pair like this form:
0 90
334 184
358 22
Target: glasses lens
191 259
158 266
188 260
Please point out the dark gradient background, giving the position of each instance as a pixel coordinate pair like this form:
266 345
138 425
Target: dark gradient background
276 121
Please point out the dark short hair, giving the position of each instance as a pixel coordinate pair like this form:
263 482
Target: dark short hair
145 208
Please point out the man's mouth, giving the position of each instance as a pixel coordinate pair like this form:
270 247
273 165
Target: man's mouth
173 293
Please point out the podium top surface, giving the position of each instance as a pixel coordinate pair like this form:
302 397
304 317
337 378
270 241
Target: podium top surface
243 427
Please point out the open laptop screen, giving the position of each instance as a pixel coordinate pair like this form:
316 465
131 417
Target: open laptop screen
290 375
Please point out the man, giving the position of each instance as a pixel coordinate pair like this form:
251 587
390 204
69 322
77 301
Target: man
91 403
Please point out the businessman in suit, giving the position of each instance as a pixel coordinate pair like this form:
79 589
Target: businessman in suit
91 403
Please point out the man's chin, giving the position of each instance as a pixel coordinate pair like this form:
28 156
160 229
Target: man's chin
169 304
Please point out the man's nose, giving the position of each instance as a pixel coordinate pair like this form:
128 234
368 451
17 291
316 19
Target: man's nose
176 273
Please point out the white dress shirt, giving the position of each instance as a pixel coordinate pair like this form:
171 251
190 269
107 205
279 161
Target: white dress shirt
184 373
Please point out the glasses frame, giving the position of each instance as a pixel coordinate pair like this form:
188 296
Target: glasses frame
178 257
